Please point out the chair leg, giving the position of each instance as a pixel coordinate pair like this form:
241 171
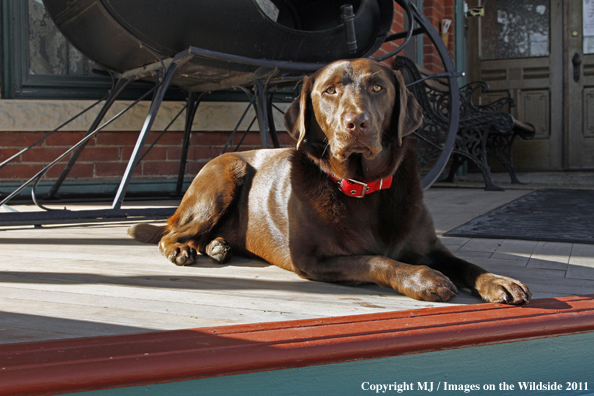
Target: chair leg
485 169
500 147
473 146
457 162
513 176
489 183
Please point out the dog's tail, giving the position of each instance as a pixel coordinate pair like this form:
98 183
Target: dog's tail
146 233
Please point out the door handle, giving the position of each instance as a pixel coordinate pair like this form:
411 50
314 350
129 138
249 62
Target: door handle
577 63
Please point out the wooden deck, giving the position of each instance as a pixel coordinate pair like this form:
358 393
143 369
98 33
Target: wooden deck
88 280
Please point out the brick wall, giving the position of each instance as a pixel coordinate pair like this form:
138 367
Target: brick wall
106 155
435 11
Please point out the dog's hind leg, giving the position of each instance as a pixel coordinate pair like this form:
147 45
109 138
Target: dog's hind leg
146 233
212 192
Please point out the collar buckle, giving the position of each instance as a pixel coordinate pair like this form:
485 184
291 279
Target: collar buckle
353 192
358 189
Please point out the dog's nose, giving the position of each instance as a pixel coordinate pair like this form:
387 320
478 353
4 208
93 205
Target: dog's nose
356 122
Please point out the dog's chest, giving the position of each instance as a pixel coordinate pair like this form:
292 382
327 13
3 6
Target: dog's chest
372 225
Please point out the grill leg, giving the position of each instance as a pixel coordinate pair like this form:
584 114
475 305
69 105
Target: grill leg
271 126
148 123
193 101
264 114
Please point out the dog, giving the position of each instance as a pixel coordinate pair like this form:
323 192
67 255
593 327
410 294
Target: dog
345 205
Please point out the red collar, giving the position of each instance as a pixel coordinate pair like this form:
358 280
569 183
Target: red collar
357 189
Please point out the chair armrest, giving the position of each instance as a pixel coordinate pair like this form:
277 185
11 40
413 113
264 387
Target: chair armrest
524 129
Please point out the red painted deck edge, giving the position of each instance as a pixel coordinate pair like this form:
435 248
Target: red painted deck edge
53 367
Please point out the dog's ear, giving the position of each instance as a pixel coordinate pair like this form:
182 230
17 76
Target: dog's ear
300 113
407 111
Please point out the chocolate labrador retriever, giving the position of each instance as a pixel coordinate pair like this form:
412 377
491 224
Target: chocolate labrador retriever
346 205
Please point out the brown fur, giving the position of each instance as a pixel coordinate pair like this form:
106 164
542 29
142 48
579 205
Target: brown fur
352 119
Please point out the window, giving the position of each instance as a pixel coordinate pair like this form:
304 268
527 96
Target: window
515 29
38 62
49 52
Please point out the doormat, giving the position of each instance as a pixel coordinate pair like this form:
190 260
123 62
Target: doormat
548 215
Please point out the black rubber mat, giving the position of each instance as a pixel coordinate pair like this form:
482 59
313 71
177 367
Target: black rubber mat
544 215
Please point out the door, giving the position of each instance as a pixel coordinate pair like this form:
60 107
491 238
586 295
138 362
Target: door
517 47
580 84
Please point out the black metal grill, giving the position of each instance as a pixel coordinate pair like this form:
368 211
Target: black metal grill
122 35
206 45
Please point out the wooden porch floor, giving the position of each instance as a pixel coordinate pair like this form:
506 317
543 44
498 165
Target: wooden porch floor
89 280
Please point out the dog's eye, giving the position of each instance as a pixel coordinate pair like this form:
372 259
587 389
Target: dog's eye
377 88
330 90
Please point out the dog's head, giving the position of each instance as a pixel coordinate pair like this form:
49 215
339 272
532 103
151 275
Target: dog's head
352 107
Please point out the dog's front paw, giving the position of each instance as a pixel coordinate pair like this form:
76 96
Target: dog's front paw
427 284
178 253
219 250
501 289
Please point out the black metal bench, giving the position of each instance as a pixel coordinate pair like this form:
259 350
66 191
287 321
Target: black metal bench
483 130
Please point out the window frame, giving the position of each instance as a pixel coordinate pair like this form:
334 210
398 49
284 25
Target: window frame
16 83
